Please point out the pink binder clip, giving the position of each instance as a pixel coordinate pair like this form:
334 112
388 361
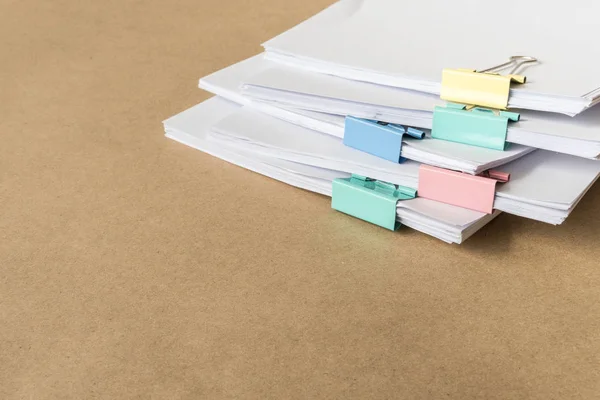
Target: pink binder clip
459 189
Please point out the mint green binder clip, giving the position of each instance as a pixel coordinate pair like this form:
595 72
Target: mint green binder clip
480 127
370 200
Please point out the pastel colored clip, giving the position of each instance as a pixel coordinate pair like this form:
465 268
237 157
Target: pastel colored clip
477 126
484 88
370 200
460 189
378 138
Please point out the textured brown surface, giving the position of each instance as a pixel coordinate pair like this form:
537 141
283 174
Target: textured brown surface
134 267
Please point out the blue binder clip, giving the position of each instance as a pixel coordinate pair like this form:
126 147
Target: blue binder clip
480 127
378 138
370 200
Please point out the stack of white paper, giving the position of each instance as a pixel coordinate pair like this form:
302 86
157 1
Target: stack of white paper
407 44
313 46
544 186
448 223
290 87
282 113
226 83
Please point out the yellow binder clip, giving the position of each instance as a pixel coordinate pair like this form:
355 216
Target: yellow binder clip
485 88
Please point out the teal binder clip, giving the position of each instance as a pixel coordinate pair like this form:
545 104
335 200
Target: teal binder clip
378 138
370 200
480 127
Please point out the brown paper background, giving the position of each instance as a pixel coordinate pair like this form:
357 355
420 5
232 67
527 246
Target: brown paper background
133 267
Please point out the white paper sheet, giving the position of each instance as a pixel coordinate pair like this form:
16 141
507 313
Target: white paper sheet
408 44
